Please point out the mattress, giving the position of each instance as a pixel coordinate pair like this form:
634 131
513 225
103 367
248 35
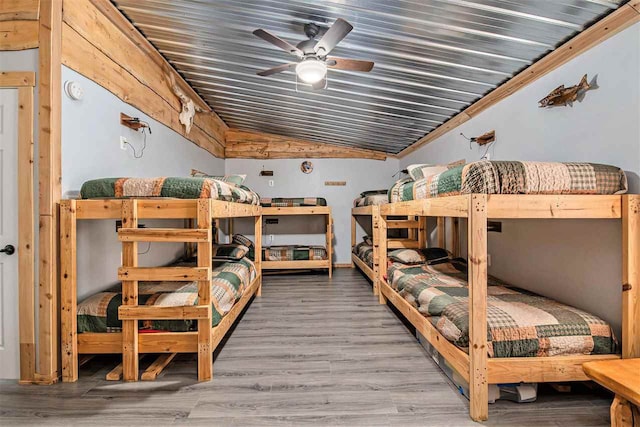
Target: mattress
364 252
287 202
294 253
514 177
520 323
371 200
99 312
172 187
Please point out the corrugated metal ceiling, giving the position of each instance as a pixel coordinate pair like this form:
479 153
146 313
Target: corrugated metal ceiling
432 58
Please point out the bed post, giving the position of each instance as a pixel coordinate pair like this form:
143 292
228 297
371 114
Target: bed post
330 243
375 230
455 236
442 231
478 381
257 256
382 255
422 231
630 275
205 352
130 294
68 290
353 236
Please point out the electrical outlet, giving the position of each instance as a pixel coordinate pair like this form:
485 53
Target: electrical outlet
271 183
271 237
123 143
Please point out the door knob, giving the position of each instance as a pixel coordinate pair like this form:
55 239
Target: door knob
9 250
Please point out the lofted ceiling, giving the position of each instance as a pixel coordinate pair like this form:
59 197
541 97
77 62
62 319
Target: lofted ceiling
433 58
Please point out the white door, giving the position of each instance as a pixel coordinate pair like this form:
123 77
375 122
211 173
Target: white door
9 342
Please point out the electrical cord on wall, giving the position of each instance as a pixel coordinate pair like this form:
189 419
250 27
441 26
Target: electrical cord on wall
139 155
146 251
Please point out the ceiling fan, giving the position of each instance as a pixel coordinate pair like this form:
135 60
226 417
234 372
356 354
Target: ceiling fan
313 64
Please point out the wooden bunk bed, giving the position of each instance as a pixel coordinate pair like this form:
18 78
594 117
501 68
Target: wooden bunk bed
130 343
324 211
475 366
416 238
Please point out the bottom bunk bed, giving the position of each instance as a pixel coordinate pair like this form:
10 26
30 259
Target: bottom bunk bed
492 333
296 257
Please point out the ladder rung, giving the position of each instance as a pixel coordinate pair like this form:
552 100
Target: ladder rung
160 274
160 313
164 235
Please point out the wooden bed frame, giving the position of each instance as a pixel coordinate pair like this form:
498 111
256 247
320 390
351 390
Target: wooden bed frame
476 367
129 342
302 264
417 238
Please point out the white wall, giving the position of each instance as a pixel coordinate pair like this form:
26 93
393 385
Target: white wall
289 181
577 262
91 149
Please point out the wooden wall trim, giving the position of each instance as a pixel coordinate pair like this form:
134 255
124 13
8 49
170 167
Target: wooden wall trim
20 10
25 81
49 180
17 78
617 21
255 145
18 35
108 37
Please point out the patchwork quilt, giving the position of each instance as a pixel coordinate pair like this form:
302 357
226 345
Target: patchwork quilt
519 323
364 252
514 177
174 187
294 253
99 312
287 202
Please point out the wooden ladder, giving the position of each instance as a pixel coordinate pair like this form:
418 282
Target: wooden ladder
130 274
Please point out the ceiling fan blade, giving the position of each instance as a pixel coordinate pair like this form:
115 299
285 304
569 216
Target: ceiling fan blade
333 36
275 40
349 64
278 69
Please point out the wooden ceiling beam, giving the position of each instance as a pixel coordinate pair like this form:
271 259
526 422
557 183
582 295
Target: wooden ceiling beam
242 144
27 10
18 35
617 21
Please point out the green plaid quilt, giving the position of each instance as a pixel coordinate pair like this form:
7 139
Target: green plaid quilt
364 252
288 202
514 177
99 312
519 323
180 187
294 253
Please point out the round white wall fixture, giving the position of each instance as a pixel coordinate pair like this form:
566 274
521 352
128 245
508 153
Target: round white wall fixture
73 90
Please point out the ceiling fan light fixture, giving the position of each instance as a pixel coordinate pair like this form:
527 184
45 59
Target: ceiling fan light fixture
311 70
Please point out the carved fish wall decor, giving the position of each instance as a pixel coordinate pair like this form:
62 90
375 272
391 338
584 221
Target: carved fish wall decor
562 96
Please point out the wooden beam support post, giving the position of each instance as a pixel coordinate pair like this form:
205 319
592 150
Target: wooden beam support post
630 275
68 291
329 238
422 231
205 352
442 232
49 134
130 294
375 230
382 255
257 245
353 236
478 381
26 261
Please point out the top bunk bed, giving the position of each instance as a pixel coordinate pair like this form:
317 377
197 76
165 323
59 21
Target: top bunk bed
166 197
294 206
510 189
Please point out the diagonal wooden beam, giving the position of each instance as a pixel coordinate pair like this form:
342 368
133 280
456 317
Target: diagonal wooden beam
256 145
